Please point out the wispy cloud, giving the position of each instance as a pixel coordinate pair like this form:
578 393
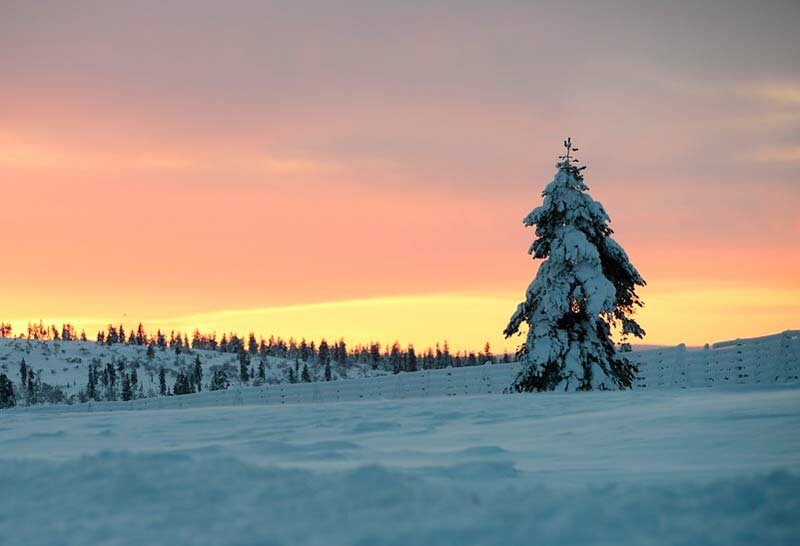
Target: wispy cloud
789 154
773 92
18 154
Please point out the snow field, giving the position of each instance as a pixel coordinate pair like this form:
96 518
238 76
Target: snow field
692 466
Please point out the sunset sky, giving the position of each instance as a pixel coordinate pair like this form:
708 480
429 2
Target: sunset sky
361 169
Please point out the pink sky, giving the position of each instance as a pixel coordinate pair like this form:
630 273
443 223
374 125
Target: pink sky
163 160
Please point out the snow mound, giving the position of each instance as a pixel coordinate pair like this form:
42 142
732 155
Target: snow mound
119 498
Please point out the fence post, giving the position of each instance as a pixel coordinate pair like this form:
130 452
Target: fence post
315 395
741 371
398 385
679 372
708 379
791 360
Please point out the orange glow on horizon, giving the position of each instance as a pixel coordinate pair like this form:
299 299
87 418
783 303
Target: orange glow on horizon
691 314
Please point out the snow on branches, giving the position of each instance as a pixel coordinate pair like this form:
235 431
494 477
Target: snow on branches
584 289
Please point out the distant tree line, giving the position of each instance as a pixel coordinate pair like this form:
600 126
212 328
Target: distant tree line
392 357
119 379
41 332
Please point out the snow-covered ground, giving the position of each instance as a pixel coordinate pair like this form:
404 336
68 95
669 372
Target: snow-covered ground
66 364
691 466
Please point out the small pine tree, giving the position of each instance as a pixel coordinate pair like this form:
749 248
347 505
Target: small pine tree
127 392
305 376
91 386
23 373
375 354
162 381
395 358
31 390
141 336
8 398
412 359
134 382
244 371
219 381
198 373
585 287
324 353
111 381
341 355
182 385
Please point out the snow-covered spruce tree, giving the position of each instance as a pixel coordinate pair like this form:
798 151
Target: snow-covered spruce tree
584 288
7 397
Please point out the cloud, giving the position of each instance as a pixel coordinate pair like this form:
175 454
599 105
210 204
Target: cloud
789 154
287 166
31 157
774 92
774 120
23 155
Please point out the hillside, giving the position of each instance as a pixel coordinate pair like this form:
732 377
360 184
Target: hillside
65 365
62 369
